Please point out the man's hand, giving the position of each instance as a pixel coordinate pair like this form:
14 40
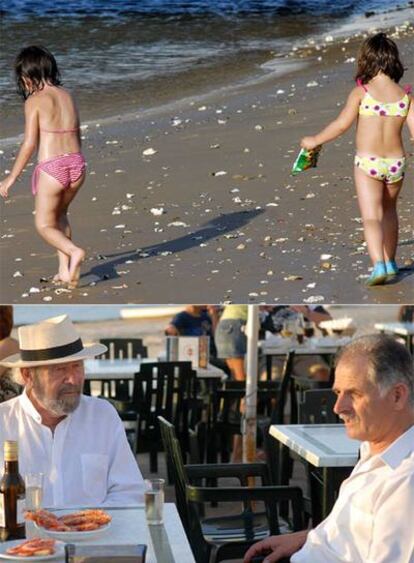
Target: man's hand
5 186
309 143
277 547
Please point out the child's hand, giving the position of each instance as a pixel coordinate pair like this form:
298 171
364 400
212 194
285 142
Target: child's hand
308 143
5 186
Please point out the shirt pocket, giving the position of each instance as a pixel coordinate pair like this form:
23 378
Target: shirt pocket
95 477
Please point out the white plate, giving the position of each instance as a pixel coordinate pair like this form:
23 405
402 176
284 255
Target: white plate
59 552
74 536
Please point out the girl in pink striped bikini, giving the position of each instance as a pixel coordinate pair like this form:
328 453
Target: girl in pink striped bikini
52 125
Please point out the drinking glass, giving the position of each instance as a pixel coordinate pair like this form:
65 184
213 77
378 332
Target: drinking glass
34 498
154 501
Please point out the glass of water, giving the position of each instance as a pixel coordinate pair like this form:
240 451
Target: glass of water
154 500
34 498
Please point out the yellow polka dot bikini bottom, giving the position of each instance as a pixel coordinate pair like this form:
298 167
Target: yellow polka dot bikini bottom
388 170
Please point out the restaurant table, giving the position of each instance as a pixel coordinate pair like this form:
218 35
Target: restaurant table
125 369
277 346
166 543
324 446
99 370
406 330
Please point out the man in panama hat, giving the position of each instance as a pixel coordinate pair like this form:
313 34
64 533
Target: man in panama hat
77 442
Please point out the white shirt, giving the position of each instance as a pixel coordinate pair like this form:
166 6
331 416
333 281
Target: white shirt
372 520
86 462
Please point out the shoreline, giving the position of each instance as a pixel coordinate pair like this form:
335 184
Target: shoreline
236 226
265 66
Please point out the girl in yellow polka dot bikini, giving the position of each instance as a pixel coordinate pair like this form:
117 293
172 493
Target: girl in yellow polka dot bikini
381 107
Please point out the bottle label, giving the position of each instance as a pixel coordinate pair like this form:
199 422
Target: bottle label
2 512
21 507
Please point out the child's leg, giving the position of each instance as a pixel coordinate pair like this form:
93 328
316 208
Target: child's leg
63 272
77 258
370 199
390 219
48 202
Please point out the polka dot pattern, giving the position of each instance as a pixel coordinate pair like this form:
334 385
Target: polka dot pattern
390 170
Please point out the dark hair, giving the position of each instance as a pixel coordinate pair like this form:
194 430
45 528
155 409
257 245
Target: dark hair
6 321
39 66
379 53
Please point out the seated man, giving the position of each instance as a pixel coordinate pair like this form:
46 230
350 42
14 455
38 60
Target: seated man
77 442
372 519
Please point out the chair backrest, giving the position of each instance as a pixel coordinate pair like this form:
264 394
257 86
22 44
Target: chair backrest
175 465
177 471
317 407
162 386
166 389
287 389
124 348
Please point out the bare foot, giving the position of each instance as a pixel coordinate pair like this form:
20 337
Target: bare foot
61 277
76 259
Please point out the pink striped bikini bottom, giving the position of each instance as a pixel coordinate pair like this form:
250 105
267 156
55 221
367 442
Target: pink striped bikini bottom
65 168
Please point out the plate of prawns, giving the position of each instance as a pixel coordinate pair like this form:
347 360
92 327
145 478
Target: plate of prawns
70 526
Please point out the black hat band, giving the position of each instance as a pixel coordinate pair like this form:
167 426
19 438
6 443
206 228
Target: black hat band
52 353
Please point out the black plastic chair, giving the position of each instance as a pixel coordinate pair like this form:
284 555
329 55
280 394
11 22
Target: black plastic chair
226 537
227 418
279 465
122 349
316 408
167 389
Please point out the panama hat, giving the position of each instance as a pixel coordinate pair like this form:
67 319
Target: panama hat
52 341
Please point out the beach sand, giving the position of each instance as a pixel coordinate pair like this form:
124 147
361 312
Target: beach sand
236 226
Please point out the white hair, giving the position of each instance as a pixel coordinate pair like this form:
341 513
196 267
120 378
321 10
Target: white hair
389 361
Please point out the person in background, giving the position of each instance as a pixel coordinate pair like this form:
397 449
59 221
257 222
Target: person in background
273 321
231 339
8 346
276 316
231 345
198 320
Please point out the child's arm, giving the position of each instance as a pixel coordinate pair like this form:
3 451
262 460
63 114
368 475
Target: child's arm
410 119
27 148
341 124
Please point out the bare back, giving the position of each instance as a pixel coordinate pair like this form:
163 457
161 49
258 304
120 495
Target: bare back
381 135
58 122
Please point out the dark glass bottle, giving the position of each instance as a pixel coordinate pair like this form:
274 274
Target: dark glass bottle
12 496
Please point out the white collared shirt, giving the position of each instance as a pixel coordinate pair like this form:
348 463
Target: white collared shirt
372 520
86 461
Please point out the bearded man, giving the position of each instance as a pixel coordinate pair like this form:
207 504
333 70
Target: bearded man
77 442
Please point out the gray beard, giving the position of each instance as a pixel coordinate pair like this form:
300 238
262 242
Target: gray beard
58 407
61 407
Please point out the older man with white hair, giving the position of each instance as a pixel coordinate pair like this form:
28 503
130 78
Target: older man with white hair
372 519
77 442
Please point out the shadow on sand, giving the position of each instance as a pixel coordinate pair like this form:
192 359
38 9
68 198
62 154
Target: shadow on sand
216 227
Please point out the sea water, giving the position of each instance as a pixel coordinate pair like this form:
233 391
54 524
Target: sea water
114 52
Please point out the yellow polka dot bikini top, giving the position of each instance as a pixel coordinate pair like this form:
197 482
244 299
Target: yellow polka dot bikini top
370 106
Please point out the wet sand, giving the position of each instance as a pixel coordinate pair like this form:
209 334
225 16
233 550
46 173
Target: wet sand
235 226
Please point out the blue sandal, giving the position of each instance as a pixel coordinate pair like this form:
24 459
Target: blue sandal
392 268
378 275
